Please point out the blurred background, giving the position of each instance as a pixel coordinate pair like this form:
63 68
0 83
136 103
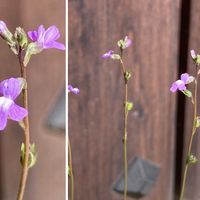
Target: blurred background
46 81
163 32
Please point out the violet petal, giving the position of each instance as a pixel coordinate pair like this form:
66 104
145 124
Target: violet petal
184 77
3 119
17 113
51 34
56 45
11 88
33 35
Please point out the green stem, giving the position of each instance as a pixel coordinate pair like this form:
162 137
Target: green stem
125 142
125 127
71 174
24 173
191 138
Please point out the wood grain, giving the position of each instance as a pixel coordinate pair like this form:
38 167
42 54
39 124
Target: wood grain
95 116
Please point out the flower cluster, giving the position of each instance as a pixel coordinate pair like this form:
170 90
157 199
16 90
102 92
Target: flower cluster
185 78
123 44
73 90
19 44
181 83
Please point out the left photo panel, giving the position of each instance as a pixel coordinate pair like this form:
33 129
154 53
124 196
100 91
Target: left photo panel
32 100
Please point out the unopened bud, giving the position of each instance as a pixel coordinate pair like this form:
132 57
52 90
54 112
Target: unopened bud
21 37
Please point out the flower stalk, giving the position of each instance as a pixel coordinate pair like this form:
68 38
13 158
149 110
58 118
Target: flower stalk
125 128
71 174
123 44
25 166
190 158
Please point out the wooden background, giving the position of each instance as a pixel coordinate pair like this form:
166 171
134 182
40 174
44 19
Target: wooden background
163 32
46 80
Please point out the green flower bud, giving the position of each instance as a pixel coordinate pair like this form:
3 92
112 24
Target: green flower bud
115 56
129 106
127 75
21 37
191 159
32 155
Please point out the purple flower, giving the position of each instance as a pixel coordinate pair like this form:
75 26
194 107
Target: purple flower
73 90
10 89
46 38
108 54
180 84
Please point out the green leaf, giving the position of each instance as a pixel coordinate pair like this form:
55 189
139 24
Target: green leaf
187 93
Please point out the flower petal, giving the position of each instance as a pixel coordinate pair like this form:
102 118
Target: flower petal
174 87
51 34
184 77
40 33
33 35
17 113
193 54
181 86
11 88
54 44
3 119
108 54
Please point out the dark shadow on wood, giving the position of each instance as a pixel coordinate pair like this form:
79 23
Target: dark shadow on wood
183 55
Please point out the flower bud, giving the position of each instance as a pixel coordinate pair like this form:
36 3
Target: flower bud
32 155
21 37
124 43
8 37
6 34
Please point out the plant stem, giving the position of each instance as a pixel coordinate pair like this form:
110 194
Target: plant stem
71 174
125 142
24 172
191 137
125 127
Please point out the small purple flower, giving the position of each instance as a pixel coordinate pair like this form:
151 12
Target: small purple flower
46 38
193 54
127 42
10 89
108 54
180 84
73 90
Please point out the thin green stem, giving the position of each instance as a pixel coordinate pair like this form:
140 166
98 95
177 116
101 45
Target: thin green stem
24 173
191 137
125 127
71 174
125 142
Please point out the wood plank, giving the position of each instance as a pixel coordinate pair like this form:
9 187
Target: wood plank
95 123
